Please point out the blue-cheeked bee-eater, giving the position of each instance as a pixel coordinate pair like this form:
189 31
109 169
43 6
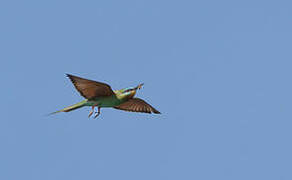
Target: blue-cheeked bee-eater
100 95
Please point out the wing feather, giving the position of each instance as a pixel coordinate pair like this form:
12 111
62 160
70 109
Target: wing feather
90 89
137 105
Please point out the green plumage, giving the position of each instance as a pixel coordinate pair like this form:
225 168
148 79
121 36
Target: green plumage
100 95
73 107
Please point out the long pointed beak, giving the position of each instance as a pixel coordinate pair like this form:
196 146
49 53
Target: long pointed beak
139 86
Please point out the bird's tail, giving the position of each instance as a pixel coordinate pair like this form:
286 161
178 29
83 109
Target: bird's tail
70 108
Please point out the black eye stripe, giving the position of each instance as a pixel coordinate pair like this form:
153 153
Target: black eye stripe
128 90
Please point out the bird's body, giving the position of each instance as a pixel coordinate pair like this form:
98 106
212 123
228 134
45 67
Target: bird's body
110 101
101 95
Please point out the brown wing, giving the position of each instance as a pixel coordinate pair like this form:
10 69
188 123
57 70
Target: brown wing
90 89
137 105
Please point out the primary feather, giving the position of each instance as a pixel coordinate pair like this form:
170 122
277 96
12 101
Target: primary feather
90 89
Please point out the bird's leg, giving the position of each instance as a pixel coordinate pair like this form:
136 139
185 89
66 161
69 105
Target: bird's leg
97 113
91 112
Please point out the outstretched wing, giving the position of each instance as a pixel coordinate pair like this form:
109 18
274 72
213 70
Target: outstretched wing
137 105
90 89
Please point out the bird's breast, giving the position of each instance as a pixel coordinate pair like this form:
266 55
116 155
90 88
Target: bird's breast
106 101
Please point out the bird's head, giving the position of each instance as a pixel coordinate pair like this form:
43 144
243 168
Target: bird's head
130 92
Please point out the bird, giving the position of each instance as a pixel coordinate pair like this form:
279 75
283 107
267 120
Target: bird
100 95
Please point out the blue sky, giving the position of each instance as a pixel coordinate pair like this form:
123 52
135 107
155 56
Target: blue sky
219 71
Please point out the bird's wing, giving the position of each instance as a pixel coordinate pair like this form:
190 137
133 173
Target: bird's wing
90 89
137 105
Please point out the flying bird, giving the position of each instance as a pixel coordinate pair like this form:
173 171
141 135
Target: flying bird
100 95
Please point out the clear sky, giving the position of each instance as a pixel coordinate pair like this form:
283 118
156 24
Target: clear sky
219 71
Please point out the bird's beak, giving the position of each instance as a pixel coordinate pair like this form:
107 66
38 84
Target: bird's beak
139 86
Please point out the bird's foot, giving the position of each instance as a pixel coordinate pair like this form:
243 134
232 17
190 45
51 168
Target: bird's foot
90 113
96 114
